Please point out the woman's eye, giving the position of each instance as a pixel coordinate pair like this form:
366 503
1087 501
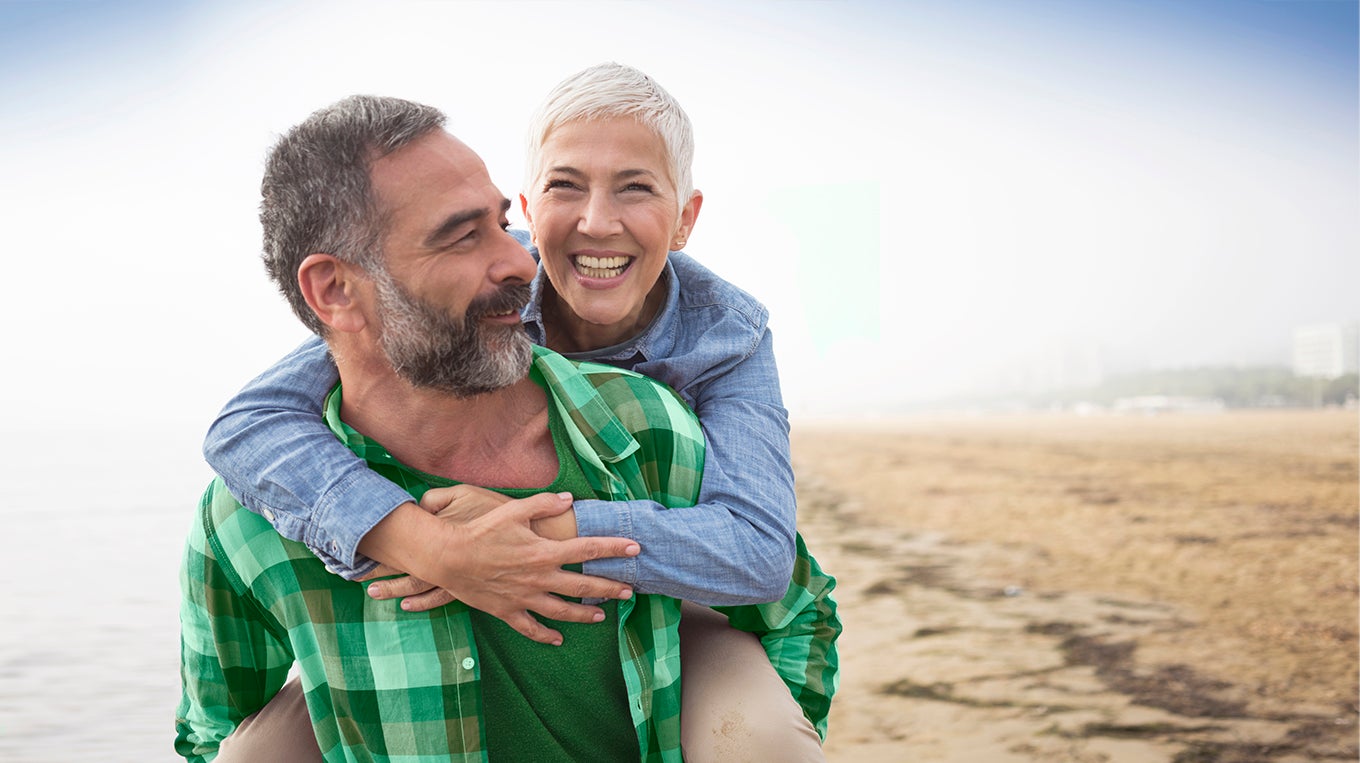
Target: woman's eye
564 184
643 187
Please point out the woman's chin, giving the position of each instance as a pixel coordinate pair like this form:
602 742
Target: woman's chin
603 317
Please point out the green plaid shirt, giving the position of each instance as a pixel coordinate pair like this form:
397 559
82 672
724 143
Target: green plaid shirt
387 685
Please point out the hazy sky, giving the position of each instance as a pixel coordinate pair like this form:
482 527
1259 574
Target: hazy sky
923 193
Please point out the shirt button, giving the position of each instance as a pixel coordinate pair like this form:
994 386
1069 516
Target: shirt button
269 515
468 662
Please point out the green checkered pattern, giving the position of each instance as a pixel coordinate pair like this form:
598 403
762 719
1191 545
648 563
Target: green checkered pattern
387 685
799 631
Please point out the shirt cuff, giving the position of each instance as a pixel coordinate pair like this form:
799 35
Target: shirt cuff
345 514
608 519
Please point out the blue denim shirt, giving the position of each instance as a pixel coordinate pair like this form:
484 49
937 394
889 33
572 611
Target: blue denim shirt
709 342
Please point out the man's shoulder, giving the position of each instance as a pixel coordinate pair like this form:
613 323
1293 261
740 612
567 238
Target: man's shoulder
624 392
234 536
631 427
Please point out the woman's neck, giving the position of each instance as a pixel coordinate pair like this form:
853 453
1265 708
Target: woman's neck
565 331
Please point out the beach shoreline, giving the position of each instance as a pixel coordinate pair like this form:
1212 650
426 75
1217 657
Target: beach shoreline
1058 588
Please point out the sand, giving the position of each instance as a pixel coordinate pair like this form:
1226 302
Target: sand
1061 588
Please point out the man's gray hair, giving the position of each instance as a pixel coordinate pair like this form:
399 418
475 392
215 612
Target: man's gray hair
612 90
316 191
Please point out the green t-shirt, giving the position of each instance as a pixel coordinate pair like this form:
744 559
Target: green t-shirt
566 703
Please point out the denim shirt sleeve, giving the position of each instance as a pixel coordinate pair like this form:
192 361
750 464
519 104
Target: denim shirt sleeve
276 454
737 545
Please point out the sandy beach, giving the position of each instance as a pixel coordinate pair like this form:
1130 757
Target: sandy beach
1086 589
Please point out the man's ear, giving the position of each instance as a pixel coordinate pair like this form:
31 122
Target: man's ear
331 287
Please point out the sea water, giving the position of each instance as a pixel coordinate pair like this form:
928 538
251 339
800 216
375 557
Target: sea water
91 534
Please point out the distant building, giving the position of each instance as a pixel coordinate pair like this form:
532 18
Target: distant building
1327 350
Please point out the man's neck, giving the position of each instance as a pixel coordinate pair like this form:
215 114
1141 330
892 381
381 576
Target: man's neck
497 439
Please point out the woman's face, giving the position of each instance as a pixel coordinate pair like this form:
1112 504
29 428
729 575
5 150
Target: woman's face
604 213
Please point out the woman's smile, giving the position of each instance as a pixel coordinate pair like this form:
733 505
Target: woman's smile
600 267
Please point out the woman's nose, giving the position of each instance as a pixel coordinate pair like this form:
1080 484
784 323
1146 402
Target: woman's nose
600 217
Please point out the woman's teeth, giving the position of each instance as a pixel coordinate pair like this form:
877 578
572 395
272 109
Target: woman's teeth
600 267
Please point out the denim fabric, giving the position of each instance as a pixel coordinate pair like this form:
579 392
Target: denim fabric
709 342
267 448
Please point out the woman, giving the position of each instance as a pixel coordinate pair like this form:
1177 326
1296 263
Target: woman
608 199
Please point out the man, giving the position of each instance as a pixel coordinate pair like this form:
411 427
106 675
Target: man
417 292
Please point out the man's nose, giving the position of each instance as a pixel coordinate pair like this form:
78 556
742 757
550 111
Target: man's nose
513 262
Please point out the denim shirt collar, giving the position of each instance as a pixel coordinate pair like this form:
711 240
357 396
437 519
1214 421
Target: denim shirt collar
655 341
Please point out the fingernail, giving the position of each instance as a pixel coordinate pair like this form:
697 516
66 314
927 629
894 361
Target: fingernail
599 617
564 496
557 642
626 593
633 550
374 590
406 605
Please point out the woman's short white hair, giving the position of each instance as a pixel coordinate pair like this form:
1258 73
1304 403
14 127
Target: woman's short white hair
612 90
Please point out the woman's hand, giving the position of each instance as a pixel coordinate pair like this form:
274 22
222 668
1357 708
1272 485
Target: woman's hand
469 505
458 505
461 503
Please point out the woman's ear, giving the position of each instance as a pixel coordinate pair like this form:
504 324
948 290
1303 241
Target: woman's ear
688 215
528 218
331 287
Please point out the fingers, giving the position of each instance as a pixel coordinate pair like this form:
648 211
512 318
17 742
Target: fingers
381 571
552 608
437 498
427 601
569 612
544 505
398 588
461 502
580 550
529 627
579 586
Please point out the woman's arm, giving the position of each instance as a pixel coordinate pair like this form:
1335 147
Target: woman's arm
276 454
736 546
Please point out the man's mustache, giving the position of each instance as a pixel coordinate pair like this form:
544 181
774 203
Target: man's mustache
505 299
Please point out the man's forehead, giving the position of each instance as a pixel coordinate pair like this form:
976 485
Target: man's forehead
432 153
435 165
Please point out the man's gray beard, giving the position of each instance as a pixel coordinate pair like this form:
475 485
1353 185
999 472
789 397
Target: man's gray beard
430 348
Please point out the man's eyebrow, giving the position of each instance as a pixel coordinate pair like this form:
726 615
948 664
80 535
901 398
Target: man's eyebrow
458 219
